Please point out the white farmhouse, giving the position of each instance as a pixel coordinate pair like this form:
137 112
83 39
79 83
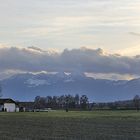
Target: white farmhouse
8 105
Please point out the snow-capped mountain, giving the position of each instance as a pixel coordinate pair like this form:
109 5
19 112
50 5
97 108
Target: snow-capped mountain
26 86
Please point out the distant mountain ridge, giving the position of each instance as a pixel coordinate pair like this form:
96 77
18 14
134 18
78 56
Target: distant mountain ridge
25 87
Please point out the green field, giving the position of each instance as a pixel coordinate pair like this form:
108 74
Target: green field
59 125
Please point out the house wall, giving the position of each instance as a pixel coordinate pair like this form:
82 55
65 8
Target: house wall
10 107
17 109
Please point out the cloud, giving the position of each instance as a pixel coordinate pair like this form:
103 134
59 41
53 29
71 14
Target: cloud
87 60
134 33
130 51
111 76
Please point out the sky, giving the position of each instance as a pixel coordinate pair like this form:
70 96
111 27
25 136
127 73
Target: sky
62 26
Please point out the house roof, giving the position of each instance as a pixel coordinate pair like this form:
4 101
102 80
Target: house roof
2 101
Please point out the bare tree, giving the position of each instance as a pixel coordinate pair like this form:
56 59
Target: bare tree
136 101
77 100
84 102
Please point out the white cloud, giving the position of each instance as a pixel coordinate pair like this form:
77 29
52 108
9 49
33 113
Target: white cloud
130 51
111 76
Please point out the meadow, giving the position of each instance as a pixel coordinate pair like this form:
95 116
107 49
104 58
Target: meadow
72 125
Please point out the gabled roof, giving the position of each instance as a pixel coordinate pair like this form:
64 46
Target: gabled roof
2 101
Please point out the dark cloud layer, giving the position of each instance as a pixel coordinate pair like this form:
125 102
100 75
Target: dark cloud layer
80 60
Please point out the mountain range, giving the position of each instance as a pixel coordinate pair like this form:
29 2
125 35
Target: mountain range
26 86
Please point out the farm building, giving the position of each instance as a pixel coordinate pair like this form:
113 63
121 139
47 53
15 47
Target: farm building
8 105
26 106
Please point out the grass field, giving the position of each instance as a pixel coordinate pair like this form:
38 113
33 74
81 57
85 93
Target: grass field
59 125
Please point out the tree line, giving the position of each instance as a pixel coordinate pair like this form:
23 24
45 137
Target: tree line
62 102
133 104
82 102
